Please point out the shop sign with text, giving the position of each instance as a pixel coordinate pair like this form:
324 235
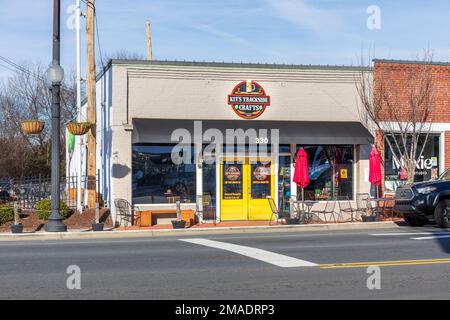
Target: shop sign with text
248 100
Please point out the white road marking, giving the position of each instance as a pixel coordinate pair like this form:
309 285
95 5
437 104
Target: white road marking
432 237
259 254
408 234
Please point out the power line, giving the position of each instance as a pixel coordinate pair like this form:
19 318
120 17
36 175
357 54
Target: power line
8 68
19 68
88 3
98 39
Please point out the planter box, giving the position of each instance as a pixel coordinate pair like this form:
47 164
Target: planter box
17 228
32 126
78 128
369 218
97 227
292 221
178 224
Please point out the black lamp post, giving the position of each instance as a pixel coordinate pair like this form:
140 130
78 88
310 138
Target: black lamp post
55 76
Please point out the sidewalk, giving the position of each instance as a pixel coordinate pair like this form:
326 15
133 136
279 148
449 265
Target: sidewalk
204 229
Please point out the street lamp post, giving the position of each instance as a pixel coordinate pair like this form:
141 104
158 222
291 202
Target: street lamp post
55 75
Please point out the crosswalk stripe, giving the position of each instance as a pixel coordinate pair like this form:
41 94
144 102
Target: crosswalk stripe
259 254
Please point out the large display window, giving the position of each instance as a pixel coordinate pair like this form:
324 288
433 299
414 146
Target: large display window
157 179
330 172
427 166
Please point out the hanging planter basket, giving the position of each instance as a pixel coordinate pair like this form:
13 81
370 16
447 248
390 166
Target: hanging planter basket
78 128
32 126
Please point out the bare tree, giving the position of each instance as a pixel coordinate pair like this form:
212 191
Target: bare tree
400 107
26 95
120 55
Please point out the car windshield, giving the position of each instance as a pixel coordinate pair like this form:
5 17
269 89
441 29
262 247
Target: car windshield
445 176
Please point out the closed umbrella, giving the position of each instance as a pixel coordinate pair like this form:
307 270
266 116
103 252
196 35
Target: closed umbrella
375 168
301 173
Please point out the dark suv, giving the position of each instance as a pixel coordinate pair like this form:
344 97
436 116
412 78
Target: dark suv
422 201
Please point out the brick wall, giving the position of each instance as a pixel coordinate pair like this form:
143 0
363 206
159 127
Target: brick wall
399 78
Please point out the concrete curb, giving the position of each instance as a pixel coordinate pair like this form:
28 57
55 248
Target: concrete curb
111 234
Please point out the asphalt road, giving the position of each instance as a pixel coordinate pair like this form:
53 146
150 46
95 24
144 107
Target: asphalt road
168 268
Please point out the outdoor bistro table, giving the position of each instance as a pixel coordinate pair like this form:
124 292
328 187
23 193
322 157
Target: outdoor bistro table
306 214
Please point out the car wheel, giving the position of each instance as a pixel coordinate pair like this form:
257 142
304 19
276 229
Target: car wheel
416 222
442 214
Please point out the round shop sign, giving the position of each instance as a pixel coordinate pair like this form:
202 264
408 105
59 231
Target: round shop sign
248 100
261 173
232 173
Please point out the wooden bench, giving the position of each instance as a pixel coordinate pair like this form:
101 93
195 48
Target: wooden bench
147 218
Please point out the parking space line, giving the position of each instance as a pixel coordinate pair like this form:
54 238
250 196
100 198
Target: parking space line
408 234
258 254
432 237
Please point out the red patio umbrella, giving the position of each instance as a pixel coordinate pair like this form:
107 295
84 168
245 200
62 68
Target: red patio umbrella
301 173
375 168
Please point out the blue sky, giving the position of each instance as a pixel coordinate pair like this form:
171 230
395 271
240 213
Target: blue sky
281 31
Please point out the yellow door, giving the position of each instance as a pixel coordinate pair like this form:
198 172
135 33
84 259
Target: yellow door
233 189
245 185
261 185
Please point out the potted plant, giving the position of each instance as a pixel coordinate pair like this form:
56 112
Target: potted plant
178 224
16 227
78 128
97 225
32 126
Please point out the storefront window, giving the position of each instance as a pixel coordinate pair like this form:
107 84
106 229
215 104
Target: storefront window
427 167
284 183
156 179
330 172
209 187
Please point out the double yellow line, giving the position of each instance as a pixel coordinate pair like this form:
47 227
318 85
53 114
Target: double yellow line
383 263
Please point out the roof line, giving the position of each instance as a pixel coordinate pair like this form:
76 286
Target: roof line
235 64
411 62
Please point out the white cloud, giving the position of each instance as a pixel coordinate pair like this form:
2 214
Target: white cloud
306 15
220 33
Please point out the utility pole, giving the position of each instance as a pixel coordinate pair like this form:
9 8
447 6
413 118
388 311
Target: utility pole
79 139
149 41
91 98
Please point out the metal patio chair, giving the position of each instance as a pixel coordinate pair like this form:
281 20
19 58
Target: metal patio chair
329 209
126 211
274 209
363 205
345 206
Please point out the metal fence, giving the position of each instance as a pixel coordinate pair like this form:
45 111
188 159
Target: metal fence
28 191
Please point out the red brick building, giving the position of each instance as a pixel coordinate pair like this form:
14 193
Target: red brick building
398 79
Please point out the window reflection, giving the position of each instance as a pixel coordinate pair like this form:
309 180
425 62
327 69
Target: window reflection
330 172
156 179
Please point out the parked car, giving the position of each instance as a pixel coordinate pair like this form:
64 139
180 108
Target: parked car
423 201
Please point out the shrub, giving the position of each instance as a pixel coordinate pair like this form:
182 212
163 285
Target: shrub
44 209
6 213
